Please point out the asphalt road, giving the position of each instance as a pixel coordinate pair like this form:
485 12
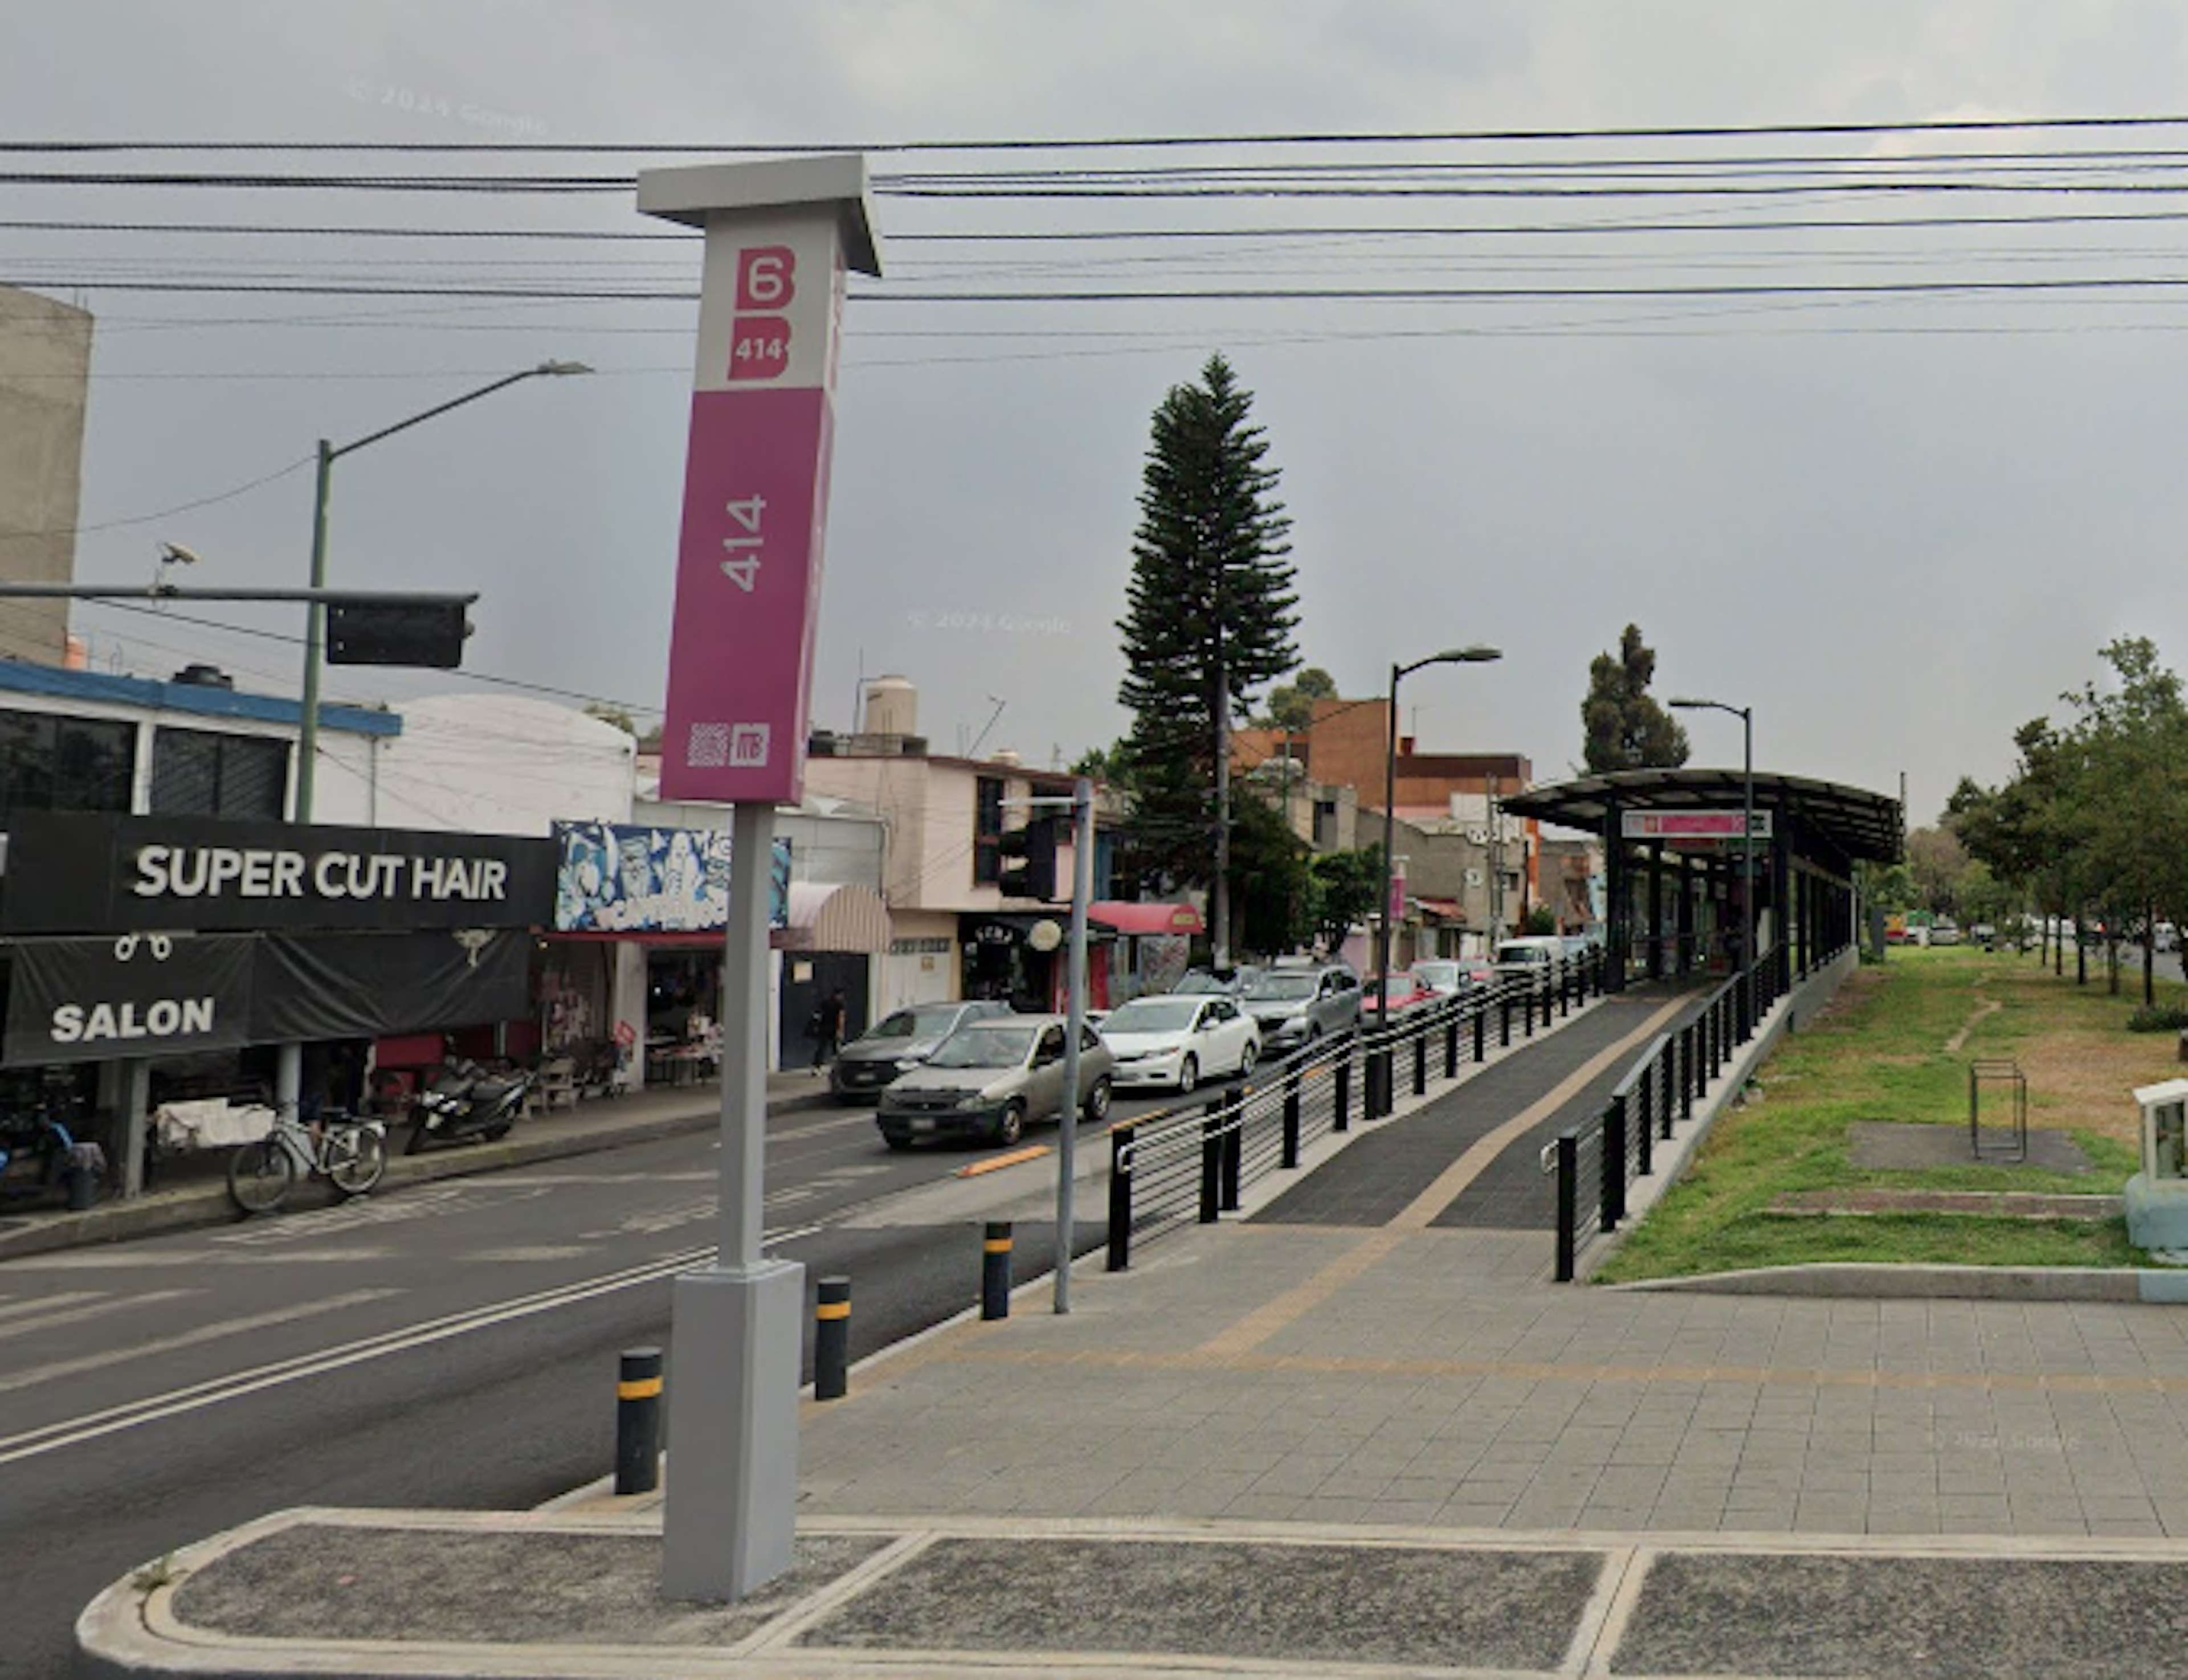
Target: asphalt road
449 1345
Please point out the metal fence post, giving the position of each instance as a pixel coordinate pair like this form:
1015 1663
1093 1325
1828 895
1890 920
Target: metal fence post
1451 1044
1120 1199
1234 1145
1421 1061
1568 1203
1341 1092
1504 1020
1527 1012
1290 1157
1481 1031
1684 1045
1643 1118
1614 1165
1211 1162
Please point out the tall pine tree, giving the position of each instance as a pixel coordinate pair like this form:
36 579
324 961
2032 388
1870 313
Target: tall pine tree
1209 619
1626 729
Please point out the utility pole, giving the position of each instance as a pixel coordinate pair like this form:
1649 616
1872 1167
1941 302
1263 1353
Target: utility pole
1075 1024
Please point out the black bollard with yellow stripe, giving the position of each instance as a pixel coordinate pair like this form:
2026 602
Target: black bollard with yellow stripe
996 1270
638 1421
832 1340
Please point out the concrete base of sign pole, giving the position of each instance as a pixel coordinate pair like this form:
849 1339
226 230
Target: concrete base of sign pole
734 1345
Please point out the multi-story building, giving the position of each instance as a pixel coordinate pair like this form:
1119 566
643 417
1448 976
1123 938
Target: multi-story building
45 371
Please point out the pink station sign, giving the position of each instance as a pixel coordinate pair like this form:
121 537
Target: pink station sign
748 564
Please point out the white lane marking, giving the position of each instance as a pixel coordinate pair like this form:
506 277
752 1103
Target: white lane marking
368 1211
213 1391
204 1333
49 1304
77 1315
520 1255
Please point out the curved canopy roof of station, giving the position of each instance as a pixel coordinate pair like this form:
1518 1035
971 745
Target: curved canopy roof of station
1859 823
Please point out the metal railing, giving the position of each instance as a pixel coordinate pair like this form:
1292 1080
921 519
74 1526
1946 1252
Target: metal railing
1596 1163
1192 1164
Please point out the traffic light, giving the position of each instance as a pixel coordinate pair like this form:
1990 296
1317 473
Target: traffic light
366 631
1029 869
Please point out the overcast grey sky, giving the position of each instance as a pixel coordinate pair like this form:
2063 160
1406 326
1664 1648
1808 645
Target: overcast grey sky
1896 525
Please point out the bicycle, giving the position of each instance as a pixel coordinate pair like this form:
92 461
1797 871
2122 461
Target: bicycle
350 1152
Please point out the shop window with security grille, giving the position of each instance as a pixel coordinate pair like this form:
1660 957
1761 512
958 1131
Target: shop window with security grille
49 762
197 773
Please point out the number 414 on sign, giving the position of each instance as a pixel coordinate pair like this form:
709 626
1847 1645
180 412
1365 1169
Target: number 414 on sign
742 565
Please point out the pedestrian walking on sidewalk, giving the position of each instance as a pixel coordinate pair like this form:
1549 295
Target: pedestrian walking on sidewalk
827 1029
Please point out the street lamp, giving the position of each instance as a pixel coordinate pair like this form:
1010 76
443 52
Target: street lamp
307 737
1450 656
1747 952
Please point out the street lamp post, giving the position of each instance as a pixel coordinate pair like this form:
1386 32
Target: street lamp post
315 635
1450 656
1747 953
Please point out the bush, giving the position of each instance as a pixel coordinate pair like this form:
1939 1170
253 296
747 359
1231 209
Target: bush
2163 1017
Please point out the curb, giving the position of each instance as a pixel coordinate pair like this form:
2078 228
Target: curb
1861 1280
207 1204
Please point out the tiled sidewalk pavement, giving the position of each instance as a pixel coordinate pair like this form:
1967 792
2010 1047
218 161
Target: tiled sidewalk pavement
1272 1372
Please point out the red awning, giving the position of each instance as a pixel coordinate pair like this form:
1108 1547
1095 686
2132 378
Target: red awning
1137 918
1446 909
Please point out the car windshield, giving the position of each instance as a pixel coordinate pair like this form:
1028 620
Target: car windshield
984 1047
916 1023
1197 984
1436 973
1282 988
1153 1015
1522 953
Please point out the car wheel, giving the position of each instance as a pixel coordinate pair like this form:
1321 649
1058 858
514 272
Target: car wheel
1011 1127
1096 1105
1246 1059
1188 1075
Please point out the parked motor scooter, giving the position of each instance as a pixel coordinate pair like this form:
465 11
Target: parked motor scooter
466 1104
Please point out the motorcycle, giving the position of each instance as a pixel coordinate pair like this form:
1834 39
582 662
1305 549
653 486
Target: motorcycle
467 1104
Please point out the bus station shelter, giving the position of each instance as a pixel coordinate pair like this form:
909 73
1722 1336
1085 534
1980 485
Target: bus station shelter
1678 874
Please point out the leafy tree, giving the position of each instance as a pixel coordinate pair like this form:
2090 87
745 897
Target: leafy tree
1103 764
1539 920
1291 705
1626 729
1209 619
1275 896
612 715
1937 863
1348 885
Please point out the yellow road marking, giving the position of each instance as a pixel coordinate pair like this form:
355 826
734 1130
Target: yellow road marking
1264 1321
1032 1152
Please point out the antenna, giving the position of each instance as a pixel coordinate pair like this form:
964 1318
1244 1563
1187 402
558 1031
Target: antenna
974 750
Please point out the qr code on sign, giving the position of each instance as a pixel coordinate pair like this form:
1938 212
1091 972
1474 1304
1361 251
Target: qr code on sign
708 748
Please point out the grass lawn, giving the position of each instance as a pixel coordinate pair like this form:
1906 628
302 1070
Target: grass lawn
1895 1045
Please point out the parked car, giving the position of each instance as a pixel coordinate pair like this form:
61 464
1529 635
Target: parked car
1177 1040
991 1079
898 1043
1944 931
1452 975
1394 999
1217 983
1297 1005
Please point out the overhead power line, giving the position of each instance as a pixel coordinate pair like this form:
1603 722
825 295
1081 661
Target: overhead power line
1370 136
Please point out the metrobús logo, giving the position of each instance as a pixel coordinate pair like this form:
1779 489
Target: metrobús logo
269 872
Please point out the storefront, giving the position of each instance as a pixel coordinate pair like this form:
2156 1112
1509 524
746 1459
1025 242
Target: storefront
632 962
169 955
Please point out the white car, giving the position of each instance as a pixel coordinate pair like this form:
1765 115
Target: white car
1180 1040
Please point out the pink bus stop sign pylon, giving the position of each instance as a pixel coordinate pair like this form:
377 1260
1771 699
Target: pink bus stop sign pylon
780 237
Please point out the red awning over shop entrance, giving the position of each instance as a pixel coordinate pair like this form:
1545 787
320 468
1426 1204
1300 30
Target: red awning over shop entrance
1137 918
